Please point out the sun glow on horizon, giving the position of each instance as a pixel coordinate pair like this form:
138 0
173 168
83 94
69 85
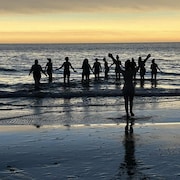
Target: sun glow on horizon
97 27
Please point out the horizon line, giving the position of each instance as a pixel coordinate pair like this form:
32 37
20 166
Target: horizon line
143 42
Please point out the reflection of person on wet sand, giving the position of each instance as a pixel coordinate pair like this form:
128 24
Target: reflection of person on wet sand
67 65
36 69
49 69
129 157
129 168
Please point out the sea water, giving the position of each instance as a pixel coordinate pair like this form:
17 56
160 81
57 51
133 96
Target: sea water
19 101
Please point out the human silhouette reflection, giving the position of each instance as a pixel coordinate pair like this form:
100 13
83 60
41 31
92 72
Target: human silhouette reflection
128 168
153 83
142 83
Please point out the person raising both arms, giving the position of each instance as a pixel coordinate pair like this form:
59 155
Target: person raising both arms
117 63
67 65
128 89
36 69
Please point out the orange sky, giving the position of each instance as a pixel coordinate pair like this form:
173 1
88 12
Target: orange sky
65 22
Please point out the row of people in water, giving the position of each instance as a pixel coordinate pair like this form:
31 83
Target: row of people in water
96 69
128 73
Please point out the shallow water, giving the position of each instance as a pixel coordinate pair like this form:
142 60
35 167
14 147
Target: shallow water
16 61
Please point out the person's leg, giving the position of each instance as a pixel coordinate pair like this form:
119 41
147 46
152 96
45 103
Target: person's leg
131 105
64 78
68 76
126 105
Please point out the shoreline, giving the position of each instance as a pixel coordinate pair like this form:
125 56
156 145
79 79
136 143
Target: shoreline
84 138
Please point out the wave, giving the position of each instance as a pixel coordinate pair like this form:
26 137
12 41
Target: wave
169 73
7 70
87 93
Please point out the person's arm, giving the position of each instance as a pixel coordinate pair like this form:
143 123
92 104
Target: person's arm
159 69
31 70
72 67
43 71
60 67
112 57
148 56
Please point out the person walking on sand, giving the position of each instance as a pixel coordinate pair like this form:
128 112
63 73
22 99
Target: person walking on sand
49 69
141 66
97 68
86 70
67 65
36 69
154 68
128 90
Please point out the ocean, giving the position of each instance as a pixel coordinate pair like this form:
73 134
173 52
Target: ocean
17 59
18 97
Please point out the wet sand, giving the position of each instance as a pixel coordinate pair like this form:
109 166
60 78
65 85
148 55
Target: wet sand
93 150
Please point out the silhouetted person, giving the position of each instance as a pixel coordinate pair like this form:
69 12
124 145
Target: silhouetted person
49 69
36 69
106 68
154 68
67 65
86 70
141 66
134 68
117 63
128 89
97 68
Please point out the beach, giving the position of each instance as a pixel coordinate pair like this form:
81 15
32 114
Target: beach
82 139
77 131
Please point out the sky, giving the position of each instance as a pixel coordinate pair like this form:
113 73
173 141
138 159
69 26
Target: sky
89 21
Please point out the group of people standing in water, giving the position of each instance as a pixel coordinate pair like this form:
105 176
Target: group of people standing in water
128 72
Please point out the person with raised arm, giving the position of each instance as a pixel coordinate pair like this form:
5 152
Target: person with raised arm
117 63
141 66
128 89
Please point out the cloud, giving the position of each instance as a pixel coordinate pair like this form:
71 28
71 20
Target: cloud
76 6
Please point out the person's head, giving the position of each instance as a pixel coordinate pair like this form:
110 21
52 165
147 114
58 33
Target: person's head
36 61
96 59
49 59
153 61
67 59
86 61
117 57
128 65
132 59
104 59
